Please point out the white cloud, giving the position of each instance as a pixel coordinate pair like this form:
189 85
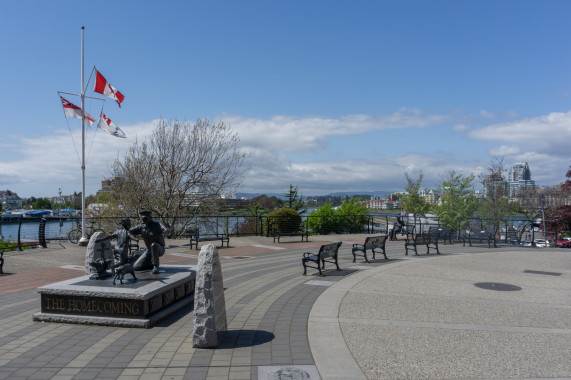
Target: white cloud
290 150
487 115
504 150
301 134
546 134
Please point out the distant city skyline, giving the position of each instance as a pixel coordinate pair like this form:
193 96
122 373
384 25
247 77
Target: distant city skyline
330 96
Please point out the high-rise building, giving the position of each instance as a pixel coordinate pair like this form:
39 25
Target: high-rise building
519 177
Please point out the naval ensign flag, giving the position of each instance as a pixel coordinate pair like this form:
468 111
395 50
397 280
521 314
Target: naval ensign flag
110 127
71 110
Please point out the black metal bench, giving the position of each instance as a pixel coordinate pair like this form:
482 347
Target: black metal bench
431 239
1 261
196 237
482 236
428 239
304 233
327 252
446 234
372 243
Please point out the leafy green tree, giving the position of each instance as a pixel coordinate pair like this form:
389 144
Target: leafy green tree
104 197
42 203
352 215
495 206
458 202
293 200
413 202
323 220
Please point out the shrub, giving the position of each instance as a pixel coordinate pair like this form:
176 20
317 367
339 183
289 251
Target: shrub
285 220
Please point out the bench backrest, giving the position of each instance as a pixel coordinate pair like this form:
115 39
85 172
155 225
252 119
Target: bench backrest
445 231
373 242
329 250
434 231
409 229
480 234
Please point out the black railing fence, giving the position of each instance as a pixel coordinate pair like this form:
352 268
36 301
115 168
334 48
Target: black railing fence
20 232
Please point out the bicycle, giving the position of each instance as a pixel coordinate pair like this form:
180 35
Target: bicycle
75 234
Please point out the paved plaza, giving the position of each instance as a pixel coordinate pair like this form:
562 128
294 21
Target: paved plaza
469 313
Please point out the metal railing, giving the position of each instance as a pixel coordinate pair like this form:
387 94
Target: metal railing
18 233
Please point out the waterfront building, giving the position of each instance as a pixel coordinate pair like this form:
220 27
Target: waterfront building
519 177
10 200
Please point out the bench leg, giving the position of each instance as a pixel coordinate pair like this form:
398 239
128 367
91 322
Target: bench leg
354 255
304 267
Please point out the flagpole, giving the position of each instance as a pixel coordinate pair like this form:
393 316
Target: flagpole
83 240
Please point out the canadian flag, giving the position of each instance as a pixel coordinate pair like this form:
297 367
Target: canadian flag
110 127
103 87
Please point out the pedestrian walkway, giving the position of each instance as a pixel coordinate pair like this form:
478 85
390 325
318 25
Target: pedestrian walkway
409 317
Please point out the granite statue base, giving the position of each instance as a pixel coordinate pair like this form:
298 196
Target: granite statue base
135 303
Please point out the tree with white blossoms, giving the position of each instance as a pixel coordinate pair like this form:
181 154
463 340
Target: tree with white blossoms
182 169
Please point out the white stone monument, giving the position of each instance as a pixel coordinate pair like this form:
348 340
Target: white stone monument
101 250
209 302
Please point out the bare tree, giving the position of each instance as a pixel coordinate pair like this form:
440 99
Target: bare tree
495 205
181 170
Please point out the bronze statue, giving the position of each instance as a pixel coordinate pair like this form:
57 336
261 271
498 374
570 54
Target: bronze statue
121 249
152 234
122 270
101 265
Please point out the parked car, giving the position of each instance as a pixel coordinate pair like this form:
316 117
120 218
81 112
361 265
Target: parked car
541 243
563 243
511 241
525 243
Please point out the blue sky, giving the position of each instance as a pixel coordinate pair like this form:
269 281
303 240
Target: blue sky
325 95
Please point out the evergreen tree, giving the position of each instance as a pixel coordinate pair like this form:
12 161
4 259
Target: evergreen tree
294 201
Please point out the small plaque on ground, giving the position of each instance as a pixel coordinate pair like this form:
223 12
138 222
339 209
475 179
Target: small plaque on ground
320 282
288 372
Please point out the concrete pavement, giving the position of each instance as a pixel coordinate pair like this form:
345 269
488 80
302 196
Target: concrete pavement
406 318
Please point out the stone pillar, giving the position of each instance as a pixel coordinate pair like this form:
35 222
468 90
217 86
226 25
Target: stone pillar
101 250
209 302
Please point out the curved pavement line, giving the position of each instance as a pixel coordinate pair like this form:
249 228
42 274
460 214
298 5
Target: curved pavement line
326 341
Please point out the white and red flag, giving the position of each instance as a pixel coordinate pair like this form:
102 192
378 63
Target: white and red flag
71 110
103 87
110 127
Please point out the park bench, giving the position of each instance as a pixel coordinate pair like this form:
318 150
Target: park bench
372 243
446 234
302 233
428 239
196 237
479 236
431 239
1 261
327 252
